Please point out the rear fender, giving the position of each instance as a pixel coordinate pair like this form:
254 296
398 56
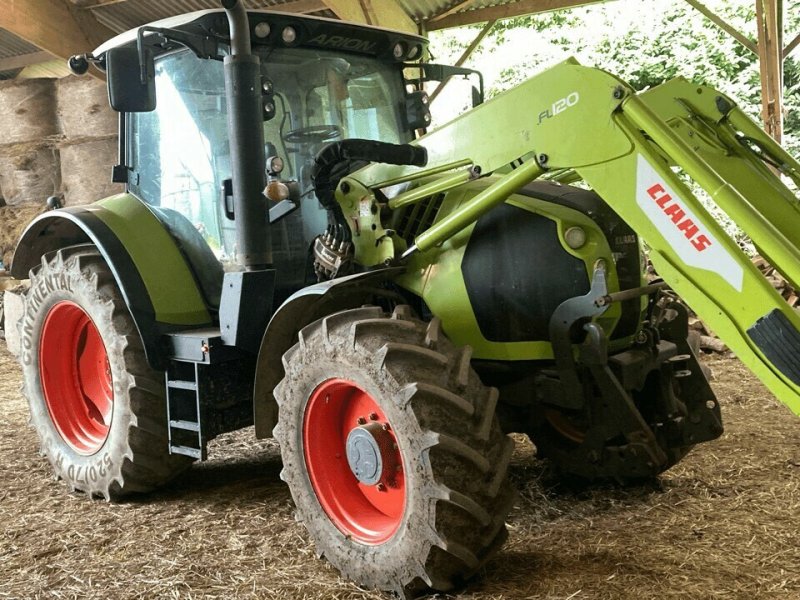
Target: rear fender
151 272
300 309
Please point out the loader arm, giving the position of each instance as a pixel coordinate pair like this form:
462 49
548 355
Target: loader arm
632 149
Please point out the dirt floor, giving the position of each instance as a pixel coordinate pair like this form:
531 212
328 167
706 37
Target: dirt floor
722 524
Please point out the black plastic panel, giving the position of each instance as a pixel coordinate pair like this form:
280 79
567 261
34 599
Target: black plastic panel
777 338
622 240
517 273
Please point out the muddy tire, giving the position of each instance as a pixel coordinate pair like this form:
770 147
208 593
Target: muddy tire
97 406
392 451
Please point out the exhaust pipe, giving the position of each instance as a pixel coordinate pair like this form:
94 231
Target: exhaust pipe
246 135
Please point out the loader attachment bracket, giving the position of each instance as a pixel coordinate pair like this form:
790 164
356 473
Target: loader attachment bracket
565 316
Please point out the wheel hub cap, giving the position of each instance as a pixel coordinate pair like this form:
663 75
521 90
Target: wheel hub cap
369 453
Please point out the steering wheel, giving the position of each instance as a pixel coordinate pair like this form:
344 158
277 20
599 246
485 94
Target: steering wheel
313 135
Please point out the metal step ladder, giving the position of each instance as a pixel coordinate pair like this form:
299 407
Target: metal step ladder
184 411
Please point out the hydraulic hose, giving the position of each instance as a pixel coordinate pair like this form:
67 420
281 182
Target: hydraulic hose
339 159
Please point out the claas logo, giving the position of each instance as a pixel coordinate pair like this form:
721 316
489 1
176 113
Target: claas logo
678 216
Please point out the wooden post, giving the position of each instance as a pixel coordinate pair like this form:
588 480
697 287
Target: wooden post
769 19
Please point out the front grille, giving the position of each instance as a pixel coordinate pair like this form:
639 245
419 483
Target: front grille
419 217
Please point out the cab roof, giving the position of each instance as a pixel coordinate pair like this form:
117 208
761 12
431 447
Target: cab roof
267 29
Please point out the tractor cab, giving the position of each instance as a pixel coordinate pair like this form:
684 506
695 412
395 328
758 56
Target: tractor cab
322 81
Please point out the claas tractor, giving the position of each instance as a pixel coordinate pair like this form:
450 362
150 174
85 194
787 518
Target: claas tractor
295 251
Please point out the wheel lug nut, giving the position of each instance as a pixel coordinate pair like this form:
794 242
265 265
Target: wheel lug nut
361 420
381 487
386 427
373 416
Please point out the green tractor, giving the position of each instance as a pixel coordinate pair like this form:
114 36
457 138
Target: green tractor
290 253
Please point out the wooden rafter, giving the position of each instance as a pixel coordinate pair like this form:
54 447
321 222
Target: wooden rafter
53 25
725 26
791 46
24 60
457 6
504 11
88 4
302 6
465 56
383 13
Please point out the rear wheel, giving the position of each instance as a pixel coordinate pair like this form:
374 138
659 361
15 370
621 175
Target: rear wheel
392 452
97 406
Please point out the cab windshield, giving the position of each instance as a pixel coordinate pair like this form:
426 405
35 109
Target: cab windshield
179 153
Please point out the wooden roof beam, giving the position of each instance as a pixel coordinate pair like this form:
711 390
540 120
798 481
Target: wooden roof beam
504 11
791 46
381 13
459 5
89 4
722 24
464 57
55 26
24 60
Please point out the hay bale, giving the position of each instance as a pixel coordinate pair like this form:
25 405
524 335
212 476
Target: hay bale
86 171
13 221
83 110
27 111
29 173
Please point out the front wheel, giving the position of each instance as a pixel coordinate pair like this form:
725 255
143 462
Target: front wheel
98 407
392 451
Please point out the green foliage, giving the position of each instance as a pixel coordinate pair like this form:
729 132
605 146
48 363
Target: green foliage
644 43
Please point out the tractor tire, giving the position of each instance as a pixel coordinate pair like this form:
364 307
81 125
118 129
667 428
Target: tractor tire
392 451
98 407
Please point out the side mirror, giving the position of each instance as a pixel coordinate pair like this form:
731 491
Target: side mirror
443 73
477 96
131 83
418 110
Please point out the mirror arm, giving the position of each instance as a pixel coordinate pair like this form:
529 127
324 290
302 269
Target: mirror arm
203 46
441 73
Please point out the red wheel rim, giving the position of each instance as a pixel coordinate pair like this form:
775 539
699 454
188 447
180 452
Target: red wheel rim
76 377
370 514
562 424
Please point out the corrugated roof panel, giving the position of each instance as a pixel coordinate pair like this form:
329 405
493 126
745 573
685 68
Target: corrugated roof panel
13 45
422 10
123 16
9 74
471 12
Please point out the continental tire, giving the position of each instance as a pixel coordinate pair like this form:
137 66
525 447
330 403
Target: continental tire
97 406
392 451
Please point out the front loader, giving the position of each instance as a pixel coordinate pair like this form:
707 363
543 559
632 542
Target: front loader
289 253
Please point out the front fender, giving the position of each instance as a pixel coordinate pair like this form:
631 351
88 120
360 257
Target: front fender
300 309
148 266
